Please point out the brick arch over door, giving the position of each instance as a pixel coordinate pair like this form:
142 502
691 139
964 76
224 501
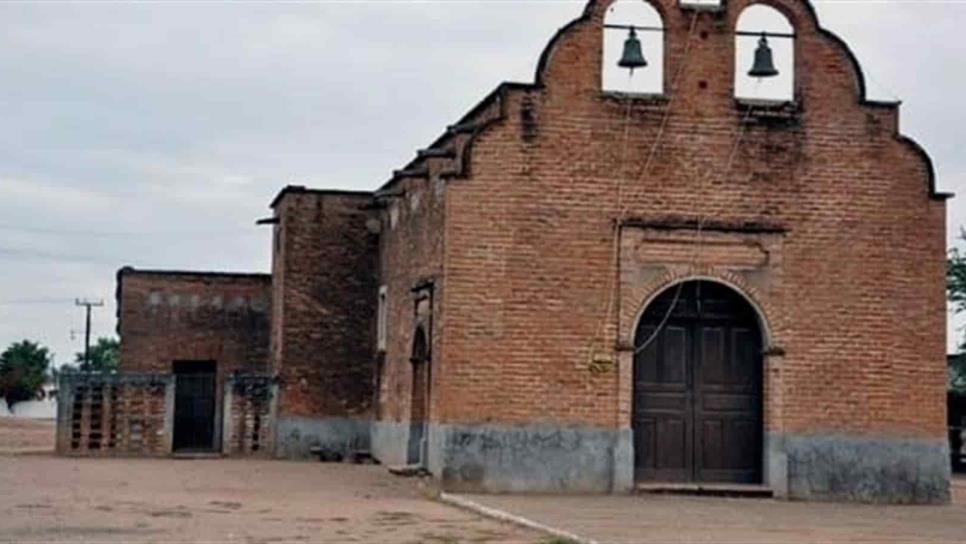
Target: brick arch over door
763 309
697 412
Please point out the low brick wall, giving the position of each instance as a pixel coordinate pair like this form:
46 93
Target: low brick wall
132 415
116 414
250 403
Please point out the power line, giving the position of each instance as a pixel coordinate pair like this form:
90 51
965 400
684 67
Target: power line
35 301
613 284
241 231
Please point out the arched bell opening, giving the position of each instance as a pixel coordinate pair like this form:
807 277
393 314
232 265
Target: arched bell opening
764 55
419 399
698 387
633 48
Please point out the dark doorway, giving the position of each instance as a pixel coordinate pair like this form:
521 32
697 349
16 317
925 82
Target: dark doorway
419 400
698 388
194 406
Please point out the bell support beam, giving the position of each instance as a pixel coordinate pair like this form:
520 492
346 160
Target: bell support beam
765 34
785 35
635 27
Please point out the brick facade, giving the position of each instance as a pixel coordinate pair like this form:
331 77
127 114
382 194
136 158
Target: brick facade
110 416
324 288
527 241
169 317
250 406
819 212
187 316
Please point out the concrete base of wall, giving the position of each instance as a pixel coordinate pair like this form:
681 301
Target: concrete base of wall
551 459
389 442
297 437
873 470
528 458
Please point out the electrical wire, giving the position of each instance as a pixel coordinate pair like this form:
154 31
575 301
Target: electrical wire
612 283
113 234
742 130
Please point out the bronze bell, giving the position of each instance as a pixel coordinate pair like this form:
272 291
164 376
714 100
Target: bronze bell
633 57
764 61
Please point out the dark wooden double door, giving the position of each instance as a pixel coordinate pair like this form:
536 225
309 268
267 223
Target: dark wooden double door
698 388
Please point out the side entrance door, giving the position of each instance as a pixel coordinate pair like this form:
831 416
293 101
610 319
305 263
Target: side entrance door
194 406
697 388
419 401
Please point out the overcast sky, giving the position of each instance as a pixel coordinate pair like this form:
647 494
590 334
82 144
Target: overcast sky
155 134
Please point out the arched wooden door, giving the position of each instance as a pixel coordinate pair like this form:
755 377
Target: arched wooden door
698 388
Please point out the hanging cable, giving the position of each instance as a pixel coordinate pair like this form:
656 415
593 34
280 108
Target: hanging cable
613 282
742 130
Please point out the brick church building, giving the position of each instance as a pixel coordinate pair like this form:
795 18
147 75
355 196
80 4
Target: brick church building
575 289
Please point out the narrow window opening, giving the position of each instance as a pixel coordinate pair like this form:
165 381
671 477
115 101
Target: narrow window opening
751 51
382 318
645 80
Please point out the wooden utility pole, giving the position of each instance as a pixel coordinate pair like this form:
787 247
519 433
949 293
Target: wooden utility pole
87 330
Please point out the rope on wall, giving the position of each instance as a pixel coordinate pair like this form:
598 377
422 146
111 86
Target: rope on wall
614 281
623 210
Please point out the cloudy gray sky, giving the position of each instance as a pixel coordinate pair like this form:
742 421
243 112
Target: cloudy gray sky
155 133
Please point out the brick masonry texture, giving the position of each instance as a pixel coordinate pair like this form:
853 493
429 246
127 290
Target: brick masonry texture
120 415
526 241
165 317
325 288
824 216
249 429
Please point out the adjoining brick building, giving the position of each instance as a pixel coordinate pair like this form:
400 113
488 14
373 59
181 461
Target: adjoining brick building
574 290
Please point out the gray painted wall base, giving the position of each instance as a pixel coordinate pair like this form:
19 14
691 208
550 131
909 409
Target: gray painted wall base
527 458
553 459
873 470
389 442
296 437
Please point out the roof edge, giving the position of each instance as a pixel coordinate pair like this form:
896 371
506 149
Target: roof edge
473 112
301 189
131 271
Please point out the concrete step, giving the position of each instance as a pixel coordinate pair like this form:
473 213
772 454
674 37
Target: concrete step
408 471
708 490
197 455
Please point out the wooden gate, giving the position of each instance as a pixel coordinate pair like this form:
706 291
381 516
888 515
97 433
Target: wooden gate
698 388
194 406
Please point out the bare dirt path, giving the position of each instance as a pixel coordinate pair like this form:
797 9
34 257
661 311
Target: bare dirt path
50 499
26 435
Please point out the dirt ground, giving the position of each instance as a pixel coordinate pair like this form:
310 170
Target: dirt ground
48 499
51 499
24 435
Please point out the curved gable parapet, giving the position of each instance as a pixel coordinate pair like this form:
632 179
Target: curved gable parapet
804 18
928 165
561 34
677 19
828 75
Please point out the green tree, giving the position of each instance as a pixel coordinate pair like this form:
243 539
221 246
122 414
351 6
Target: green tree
23 371
956 293
105 357
956 279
